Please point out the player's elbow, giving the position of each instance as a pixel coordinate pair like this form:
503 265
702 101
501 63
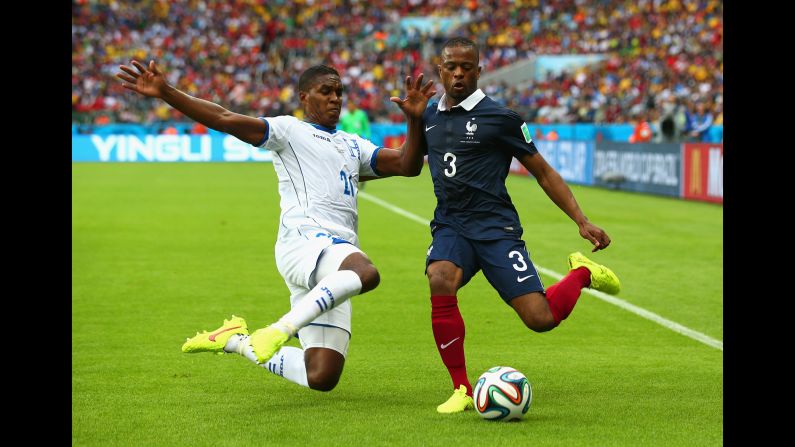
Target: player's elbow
414 172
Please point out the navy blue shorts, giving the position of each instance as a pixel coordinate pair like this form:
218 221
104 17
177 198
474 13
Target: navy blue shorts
505 262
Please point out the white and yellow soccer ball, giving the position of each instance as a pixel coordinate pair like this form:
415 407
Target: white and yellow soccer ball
502 393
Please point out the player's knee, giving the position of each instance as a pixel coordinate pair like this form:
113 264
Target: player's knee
367 272
540 323
441 282
323 380
369 276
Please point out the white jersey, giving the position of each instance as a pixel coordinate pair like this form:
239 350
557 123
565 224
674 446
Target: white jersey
318 170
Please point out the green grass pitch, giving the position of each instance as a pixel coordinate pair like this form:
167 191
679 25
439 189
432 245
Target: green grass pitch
160 251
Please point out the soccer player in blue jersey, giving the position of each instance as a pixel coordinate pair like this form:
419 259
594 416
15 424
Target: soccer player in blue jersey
471 141
317 248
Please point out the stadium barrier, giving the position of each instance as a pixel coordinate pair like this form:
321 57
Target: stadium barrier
572 159
165 148
642 167
702 176
380 131
692 171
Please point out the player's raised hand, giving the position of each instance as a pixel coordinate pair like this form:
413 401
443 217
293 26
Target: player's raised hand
146 81
417 96
596 235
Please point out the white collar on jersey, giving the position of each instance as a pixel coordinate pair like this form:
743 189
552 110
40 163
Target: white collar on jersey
468 104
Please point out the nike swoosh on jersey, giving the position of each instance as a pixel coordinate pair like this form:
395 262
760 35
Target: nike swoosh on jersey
522 278
429 128
445 345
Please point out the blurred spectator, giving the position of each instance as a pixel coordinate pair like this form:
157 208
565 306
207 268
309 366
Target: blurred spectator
664 127
354 120
642 132
700 122
656 53
198 129
681 120
102 119
170 130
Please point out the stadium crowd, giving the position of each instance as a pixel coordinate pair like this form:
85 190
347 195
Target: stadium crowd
663 59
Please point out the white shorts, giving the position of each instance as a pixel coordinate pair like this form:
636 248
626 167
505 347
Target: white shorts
317 336
298 254
304 259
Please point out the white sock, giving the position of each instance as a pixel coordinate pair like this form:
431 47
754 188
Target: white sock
288 362
331 291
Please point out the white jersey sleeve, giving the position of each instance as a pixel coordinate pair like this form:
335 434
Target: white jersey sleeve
276 137
368 153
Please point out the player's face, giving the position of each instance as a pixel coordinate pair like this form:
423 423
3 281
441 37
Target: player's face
323 102
459 71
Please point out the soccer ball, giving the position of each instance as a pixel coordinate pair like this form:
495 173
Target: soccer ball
502 393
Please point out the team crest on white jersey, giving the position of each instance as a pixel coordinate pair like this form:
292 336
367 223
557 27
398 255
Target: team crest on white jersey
353 147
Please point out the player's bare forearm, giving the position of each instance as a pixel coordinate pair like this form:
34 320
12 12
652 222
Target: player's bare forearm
407 159
151 81
554 186
246 128
560 193
205 112
413 148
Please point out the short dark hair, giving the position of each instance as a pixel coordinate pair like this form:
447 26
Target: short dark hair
310 74
461 42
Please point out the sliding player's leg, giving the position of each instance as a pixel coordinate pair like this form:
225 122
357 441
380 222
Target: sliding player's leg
343 271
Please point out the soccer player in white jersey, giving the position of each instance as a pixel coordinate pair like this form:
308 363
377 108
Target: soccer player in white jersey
317 249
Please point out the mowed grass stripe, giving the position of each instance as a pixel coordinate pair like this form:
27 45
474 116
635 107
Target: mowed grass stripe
641 312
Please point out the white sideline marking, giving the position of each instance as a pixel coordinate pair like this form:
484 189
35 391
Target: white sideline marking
672 325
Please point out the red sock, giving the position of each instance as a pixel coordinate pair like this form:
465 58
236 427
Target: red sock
563 295
448 331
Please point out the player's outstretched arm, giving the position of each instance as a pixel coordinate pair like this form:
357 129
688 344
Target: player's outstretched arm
560 193
151 81
407 159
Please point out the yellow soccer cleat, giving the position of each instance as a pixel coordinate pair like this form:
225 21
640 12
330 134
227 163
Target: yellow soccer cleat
267 341
458 402
602 278
216 340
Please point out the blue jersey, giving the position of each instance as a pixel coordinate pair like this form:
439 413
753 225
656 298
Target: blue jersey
470 148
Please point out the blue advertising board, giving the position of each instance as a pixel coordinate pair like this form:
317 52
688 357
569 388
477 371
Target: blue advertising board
650 168
164 148
572 159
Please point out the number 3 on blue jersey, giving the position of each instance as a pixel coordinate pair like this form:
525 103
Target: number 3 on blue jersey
450 156
347 182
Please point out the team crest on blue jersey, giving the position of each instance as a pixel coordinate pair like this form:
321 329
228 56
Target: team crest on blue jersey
471 127
353 147
470 133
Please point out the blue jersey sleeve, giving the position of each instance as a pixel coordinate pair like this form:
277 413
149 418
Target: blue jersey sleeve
426 118
515 135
